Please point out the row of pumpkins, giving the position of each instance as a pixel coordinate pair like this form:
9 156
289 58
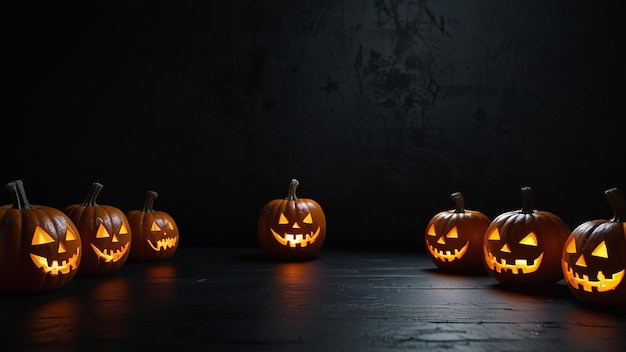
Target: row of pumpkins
519 247
47 247
44 248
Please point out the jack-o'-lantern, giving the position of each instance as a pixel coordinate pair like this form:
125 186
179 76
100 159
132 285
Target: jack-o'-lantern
454 238
104 231
154 233
40 247
594 257
291 228
523 247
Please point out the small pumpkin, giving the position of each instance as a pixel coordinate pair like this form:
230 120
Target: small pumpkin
291 228
594 257
523 247
155 234
454 238
40 247
104 231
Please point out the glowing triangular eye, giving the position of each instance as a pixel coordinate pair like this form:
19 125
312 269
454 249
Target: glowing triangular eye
155 227
600 251
170 225
308 219
453 233
41 237
70 235
431 230
283 219
529 240
570 247
123 229
494 235
102 232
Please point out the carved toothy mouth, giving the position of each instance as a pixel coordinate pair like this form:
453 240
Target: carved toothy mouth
163 244
448 256
56 268
292 240
602 284
526 266
111 256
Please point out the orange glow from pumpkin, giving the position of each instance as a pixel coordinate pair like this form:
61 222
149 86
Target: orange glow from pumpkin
110 255
296 238
582 281
55 320
106 254
41 237
165 243
523 266
603 283
447 255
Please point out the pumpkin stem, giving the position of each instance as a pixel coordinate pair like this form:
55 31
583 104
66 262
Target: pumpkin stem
618 204
18 194
291 192
95 189
149 202
528 200
459 201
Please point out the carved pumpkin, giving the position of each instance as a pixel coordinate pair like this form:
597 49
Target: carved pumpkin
104 231
291 228
594 257
154 233
454 238
40 248
524 246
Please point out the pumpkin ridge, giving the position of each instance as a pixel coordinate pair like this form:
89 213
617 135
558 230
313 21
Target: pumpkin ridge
44 219
84 214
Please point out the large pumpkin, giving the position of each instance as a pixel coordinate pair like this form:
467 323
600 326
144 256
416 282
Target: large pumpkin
523 247
594 257
104 231
454 238
291 228
154 233
40 247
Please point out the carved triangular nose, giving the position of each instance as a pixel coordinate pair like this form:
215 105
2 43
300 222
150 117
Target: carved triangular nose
581 261
62 248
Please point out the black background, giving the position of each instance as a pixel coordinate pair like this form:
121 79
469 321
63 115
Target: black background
381 109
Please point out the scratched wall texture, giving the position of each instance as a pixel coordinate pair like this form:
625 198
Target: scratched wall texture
381 109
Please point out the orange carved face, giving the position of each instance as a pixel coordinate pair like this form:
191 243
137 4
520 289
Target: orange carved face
163 235
454 238
291 228
518 254
594 264
110 244
446 247
296 232
55 256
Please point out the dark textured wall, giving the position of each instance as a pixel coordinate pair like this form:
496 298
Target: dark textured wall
381 109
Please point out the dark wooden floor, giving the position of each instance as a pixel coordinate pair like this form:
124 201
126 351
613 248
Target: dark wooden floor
235 299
